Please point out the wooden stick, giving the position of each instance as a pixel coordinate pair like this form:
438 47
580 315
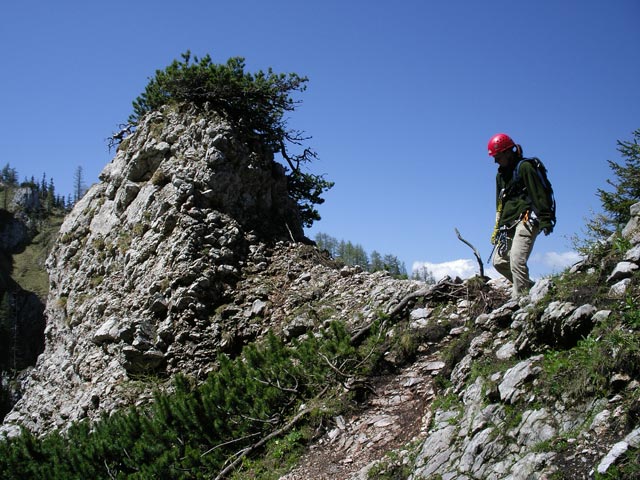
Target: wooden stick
475 252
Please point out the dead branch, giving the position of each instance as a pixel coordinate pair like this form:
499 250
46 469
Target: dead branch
109 470
423 292
277 385
115 139
224 444
269 421
290 233
475 252
444 289
364 331
246 451
333 367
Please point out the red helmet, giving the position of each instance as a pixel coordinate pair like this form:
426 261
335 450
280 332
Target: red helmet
499 143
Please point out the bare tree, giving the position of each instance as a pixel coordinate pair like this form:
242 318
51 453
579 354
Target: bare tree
79 187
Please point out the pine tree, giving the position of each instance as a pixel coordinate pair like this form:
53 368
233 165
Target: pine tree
326 242
376 263
8 181
51 195
196 430
626 191
43 185
78 184
627 187
394 266
9 176
423 274
360 257
255 103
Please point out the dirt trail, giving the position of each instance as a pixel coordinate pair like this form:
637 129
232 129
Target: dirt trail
396 414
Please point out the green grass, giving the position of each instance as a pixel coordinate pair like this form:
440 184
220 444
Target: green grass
29 265
628 467
612 347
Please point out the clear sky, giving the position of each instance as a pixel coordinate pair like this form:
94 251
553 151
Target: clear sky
401 101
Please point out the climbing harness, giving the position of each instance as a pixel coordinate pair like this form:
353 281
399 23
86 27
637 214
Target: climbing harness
500 240
500 236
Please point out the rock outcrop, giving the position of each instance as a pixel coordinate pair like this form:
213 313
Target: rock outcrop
25 199
144 260
22 321
14 233
182 251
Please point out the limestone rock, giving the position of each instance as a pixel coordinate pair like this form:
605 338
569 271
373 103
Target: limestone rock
623 270
511 386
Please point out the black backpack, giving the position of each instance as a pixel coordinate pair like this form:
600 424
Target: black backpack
541 170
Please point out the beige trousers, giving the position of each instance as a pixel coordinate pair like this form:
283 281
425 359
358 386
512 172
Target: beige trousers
513 264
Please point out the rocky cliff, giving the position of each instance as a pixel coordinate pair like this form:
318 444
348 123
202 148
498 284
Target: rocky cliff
145 261
21 310
190 246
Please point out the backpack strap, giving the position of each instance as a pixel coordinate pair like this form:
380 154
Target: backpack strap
539 167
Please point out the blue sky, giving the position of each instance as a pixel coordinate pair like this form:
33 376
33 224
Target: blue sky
401 101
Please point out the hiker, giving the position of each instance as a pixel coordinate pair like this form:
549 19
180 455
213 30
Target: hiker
525 207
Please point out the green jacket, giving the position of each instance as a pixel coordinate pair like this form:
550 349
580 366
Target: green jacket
518 197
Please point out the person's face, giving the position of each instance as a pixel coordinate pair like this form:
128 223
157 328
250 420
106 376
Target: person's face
503 158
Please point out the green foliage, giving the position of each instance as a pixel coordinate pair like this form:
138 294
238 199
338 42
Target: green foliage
392 467
583 371
455 351
627 186
390 263
9 175
306 190
195 431
446 402
257 101
255 104
280 455
631 314
29 269
627 467
576 372
616 203
580 287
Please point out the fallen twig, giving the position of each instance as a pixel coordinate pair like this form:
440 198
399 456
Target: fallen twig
246 451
